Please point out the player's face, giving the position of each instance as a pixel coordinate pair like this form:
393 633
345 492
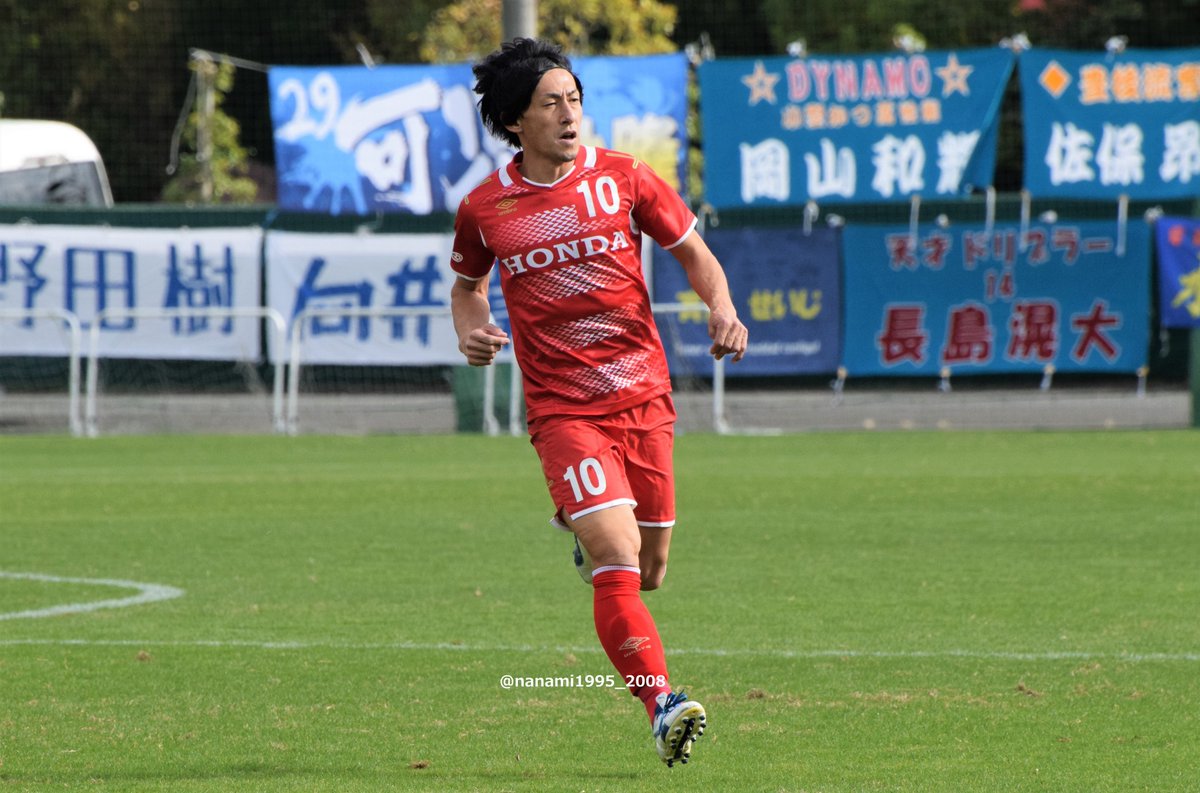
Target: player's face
549 127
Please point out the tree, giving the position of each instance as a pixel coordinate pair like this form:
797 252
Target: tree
117 68
269 32
398 33
469 29
103 66
215 170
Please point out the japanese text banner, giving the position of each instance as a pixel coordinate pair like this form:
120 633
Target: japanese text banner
785 289
89 269
996 302
783 131
1104 125
353 140
350 271
1178 272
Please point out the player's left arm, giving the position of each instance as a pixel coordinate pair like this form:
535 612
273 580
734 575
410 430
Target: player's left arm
706 277
661 213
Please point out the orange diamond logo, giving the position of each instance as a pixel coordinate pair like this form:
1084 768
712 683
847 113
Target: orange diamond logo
1055 79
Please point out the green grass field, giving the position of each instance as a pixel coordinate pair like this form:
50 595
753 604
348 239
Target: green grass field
858 612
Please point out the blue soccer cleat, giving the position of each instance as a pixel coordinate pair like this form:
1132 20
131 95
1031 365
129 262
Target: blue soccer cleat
678 722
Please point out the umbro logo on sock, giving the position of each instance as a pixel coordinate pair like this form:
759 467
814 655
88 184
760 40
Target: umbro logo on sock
634 644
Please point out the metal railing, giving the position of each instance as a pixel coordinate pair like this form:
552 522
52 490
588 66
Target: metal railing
74 419
286 386
93 357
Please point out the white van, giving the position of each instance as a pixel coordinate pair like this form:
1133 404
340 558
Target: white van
50 162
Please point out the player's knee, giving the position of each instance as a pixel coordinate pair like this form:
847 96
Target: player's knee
652 576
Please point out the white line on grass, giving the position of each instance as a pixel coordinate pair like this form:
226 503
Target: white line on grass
524 648
147 593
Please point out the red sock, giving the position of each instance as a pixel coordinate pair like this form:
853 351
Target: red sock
628 634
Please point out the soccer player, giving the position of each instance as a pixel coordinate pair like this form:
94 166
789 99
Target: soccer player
563 223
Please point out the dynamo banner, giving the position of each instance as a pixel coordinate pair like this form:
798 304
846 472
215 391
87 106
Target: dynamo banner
1104 125
408 139
335 272
124 271
1178 244
784 131
786 290
1008 300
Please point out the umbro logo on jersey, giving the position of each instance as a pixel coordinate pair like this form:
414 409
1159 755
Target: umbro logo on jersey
634 644
506 205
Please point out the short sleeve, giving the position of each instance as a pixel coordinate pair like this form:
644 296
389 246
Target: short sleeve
658 209
469 257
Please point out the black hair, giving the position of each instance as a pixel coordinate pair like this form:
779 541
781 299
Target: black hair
506 80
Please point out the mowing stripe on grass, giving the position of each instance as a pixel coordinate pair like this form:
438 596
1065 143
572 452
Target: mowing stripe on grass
997 655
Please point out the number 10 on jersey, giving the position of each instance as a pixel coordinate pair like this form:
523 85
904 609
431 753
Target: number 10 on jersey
605 194
589 478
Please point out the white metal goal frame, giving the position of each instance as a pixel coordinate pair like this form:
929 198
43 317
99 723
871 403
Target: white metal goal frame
295 348
74 354
206 312
720 422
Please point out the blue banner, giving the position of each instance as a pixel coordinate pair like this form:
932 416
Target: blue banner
785 287
1104 125
783 131
355 140
1008 300
1178 272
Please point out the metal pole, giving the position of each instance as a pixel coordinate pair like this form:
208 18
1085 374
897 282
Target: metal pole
515 400
206 107
74 352
519 19
1194 374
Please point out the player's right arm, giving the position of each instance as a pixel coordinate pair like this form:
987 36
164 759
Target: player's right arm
478 339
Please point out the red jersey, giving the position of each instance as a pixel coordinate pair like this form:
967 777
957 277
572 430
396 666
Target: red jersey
570 260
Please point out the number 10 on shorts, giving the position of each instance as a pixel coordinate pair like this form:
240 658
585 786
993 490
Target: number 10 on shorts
590 478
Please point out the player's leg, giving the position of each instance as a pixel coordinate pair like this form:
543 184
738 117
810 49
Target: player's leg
610 536
586 469
652 558
624 625
649 466
584 466
627 630
677 721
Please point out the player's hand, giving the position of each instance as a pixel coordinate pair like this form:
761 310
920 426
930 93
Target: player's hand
729 335
483 344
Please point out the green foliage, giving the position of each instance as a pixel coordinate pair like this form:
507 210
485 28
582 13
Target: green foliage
106 66
469 29
857 26
217 175
1088 24
398 29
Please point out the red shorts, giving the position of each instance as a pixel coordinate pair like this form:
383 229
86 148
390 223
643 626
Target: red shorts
595 462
